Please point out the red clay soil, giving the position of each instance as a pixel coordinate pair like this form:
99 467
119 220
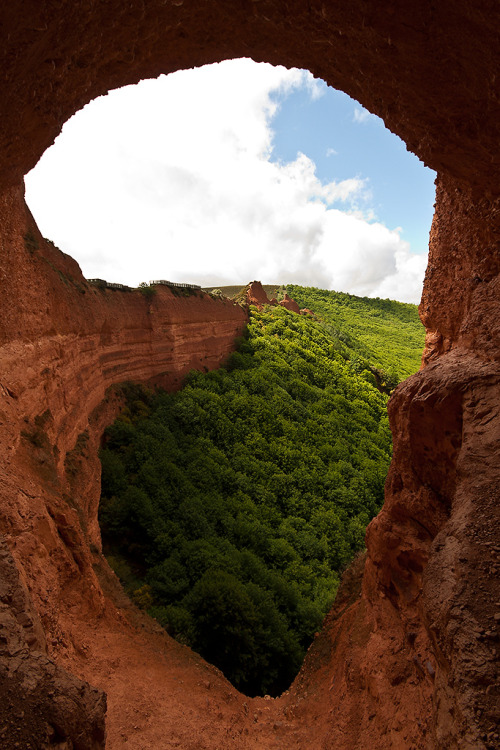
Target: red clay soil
408 657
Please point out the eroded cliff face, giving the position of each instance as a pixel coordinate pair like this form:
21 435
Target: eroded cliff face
407 655
64 343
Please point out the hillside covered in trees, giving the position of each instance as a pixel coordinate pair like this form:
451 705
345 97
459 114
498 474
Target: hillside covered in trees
230 508
381 333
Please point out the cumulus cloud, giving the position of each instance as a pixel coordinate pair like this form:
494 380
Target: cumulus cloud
172 179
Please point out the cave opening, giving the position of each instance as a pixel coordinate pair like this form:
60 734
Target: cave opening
327 213
234 171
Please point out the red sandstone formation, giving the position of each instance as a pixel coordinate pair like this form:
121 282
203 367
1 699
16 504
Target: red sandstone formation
408 655
289 304
256 294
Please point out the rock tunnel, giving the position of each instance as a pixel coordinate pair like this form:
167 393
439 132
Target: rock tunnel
408 655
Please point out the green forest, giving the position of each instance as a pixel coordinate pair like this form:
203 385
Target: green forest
382 333
230 508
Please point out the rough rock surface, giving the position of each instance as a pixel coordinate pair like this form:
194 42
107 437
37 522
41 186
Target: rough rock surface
408 657
290 304
42 704
256 294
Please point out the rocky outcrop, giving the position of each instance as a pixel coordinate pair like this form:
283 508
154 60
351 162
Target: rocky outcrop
256 294
408 656
289 304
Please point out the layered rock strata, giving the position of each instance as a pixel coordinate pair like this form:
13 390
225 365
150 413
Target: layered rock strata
64 343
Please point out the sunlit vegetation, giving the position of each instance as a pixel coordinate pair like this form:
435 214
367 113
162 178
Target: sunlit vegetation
381 333
230 508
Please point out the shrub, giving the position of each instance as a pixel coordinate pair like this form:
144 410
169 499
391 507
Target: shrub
146 290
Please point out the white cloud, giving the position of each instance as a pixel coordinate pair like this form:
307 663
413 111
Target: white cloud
362 115
172 179
331 152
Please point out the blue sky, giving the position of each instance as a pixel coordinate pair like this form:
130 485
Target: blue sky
343 140
232 172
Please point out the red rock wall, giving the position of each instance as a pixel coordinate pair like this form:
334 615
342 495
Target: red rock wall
407 657
64 342
69 341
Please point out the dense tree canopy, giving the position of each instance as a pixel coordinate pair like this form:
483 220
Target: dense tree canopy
229 508
382 333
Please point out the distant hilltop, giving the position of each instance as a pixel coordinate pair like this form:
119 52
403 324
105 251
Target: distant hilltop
234 291
258 294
